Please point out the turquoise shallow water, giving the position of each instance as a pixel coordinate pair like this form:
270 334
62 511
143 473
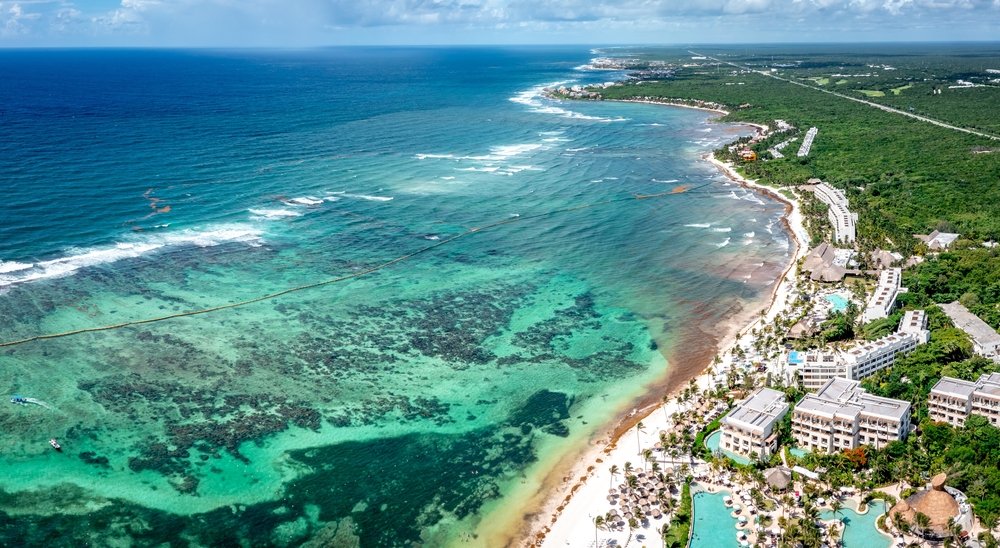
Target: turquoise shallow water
385 410
713 525
861 530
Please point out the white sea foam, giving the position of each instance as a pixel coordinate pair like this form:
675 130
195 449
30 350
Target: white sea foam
577 149
83 258
487 169
750 234
722 229
724 243
448 178
665 180
698 225
533 99
305 200
367 197
13 266
274 213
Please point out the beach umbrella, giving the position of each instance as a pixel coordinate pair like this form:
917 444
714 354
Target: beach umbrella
613 493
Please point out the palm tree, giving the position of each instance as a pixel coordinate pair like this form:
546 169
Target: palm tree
836 505
628 468
900 523
954 528
647 455
923 521
639 427
665 400
598 525
834 535
614 472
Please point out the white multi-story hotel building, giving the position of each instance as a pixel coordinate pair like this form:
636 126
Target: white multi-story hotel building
985 339
843 416
840 216
953 400
750 428
884 298
819 366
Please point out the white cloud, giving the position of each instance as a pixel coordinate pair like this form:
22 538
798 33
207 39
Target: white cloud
192 22
14 20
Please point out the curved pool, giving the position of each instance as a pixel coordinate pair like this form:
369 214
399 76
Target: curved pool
860 530
712 527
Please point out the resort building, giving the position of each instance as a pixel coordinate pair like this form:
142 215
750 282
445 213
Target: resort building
884 298
843 416
985 339
953 400
937 241
807 142
750 428
866 358
841 218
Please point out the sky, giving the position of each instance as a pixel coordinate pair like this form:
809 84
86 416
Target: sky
305 23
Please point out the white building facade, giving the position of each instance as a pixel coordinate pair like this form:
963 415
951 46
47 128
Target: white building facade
750 428
841 218
985 339
953 400
841 415
864 359
882 301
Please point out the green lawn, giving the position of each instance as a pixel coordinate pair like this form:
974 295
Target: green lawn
871 92
897 91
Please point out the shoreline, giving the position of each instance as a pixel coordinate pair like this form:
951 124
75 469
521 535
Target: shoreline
564 509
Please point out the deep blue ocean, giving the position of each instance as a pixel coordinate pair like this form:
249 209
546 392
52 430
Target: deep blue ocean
424 403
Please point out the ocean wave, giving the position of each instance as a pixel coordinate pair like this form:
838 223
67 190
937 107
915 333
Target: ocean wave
533 98
750 234
13 266
305 200
722 229
665 180
366 197
698 225
722 244
80 259
274 213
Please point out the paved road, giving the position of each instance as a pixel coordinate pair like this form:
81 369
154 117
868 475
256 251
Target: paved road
857 100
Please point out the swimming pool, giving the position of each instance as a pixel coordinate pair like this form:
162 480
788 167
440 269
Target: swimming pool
713 526
860 530
712 442
838 301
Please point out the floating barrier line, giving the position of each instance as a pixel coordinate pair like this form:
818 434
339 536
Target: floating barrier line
346 277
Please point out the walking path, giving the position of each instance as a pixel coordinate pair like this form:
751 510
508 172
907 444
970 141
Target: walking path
857 100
